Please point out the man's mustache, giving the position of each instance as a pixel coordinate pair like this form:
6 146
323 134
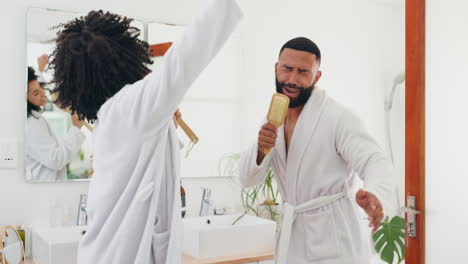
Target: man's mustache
293 86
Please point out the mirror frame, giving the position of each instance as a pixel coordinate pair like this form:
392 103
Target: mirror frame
24 168
2 232
144 36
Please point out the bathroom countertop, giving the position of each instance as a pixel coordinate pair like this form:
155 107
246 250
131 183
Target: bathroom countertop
28 261
222 260
230 260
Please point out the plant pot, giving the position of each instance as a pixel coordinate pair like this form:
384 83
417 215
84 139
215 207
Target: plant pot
272 212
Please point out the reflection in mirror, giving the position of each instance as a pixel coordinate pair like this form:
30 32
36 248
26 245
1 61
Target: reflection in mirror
58 145
395 132
211 107
11 245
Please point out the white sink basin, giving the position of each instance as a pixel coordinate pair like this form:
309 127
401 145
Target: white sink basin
215 236
56 245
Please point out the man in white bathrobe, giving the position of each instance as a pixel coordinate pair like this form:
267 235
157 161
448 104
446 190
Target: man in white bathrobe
100 72
317 155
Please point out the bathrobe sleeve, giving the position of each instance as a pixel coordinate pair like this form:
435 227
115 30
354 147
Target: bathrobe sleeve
365 156
44 148
151 102
252 174
41 78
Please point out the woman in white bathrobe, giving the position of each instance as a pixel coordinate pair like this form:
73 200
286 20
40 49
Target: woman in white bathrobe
316 168
134 195
46 154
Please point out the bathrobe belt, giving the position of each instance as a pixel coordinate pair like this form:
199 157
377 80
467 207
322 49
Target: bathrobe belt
288 217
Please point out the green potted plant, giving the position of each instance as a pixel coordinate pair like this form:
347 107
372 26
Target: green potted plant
390 240
228 165
262 200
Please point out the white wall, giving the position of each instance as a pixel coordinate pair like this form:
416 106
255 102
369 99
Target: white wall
211 106
446 131
356 67
352 73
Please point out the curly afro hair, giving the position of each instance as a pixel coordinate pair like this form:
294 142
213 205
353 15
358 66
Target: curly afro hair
96 56
31 74
30 107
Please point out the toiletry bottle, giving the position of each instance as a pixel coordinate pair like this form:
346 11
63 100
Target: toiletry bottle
182 195
22 233
67 216
56 216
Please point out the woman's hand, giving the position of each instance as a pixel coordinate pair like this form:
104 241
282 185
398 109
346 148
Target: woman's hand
176 116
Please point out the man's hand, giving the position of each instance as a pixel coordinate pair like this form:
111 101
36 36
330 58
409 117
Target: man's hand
372 207
42 62
176 116
266 140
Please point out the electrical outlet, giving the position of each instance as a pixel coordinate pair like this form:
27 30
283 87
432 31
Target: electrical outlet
8 154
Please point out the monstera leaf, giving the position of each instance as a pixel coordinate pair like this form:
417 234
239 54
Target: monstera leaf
390 240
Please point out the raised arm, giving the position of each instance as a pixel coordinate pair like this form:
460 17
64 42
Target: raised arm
152 101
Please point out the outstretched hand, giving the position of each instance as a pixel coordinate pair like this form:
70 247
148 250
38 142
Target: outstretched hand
372 206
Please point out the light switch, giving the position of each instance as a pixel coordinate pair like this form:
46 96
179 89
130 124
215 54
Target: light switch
8 154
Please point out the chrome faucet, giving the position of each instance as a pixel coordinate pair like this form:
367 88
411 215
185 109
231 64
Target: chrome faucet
205 202
82 218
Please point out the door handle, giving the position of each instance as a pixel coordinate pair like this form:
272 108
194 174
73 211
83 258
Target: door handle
411 212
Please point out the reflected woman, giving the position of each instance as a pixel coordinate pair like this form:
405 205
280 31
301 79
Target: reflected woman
46 154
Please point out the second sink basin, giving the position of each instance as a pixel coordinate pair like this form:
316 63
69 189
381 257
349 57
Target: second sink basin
56 245
216 236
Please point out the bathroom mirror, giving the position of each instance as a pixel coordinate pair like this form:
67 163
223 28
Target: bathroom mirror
53 151
11 246
212 108
363 66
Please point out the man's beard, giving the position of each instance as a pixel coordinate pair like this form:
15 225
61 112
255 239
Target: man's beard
303 96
